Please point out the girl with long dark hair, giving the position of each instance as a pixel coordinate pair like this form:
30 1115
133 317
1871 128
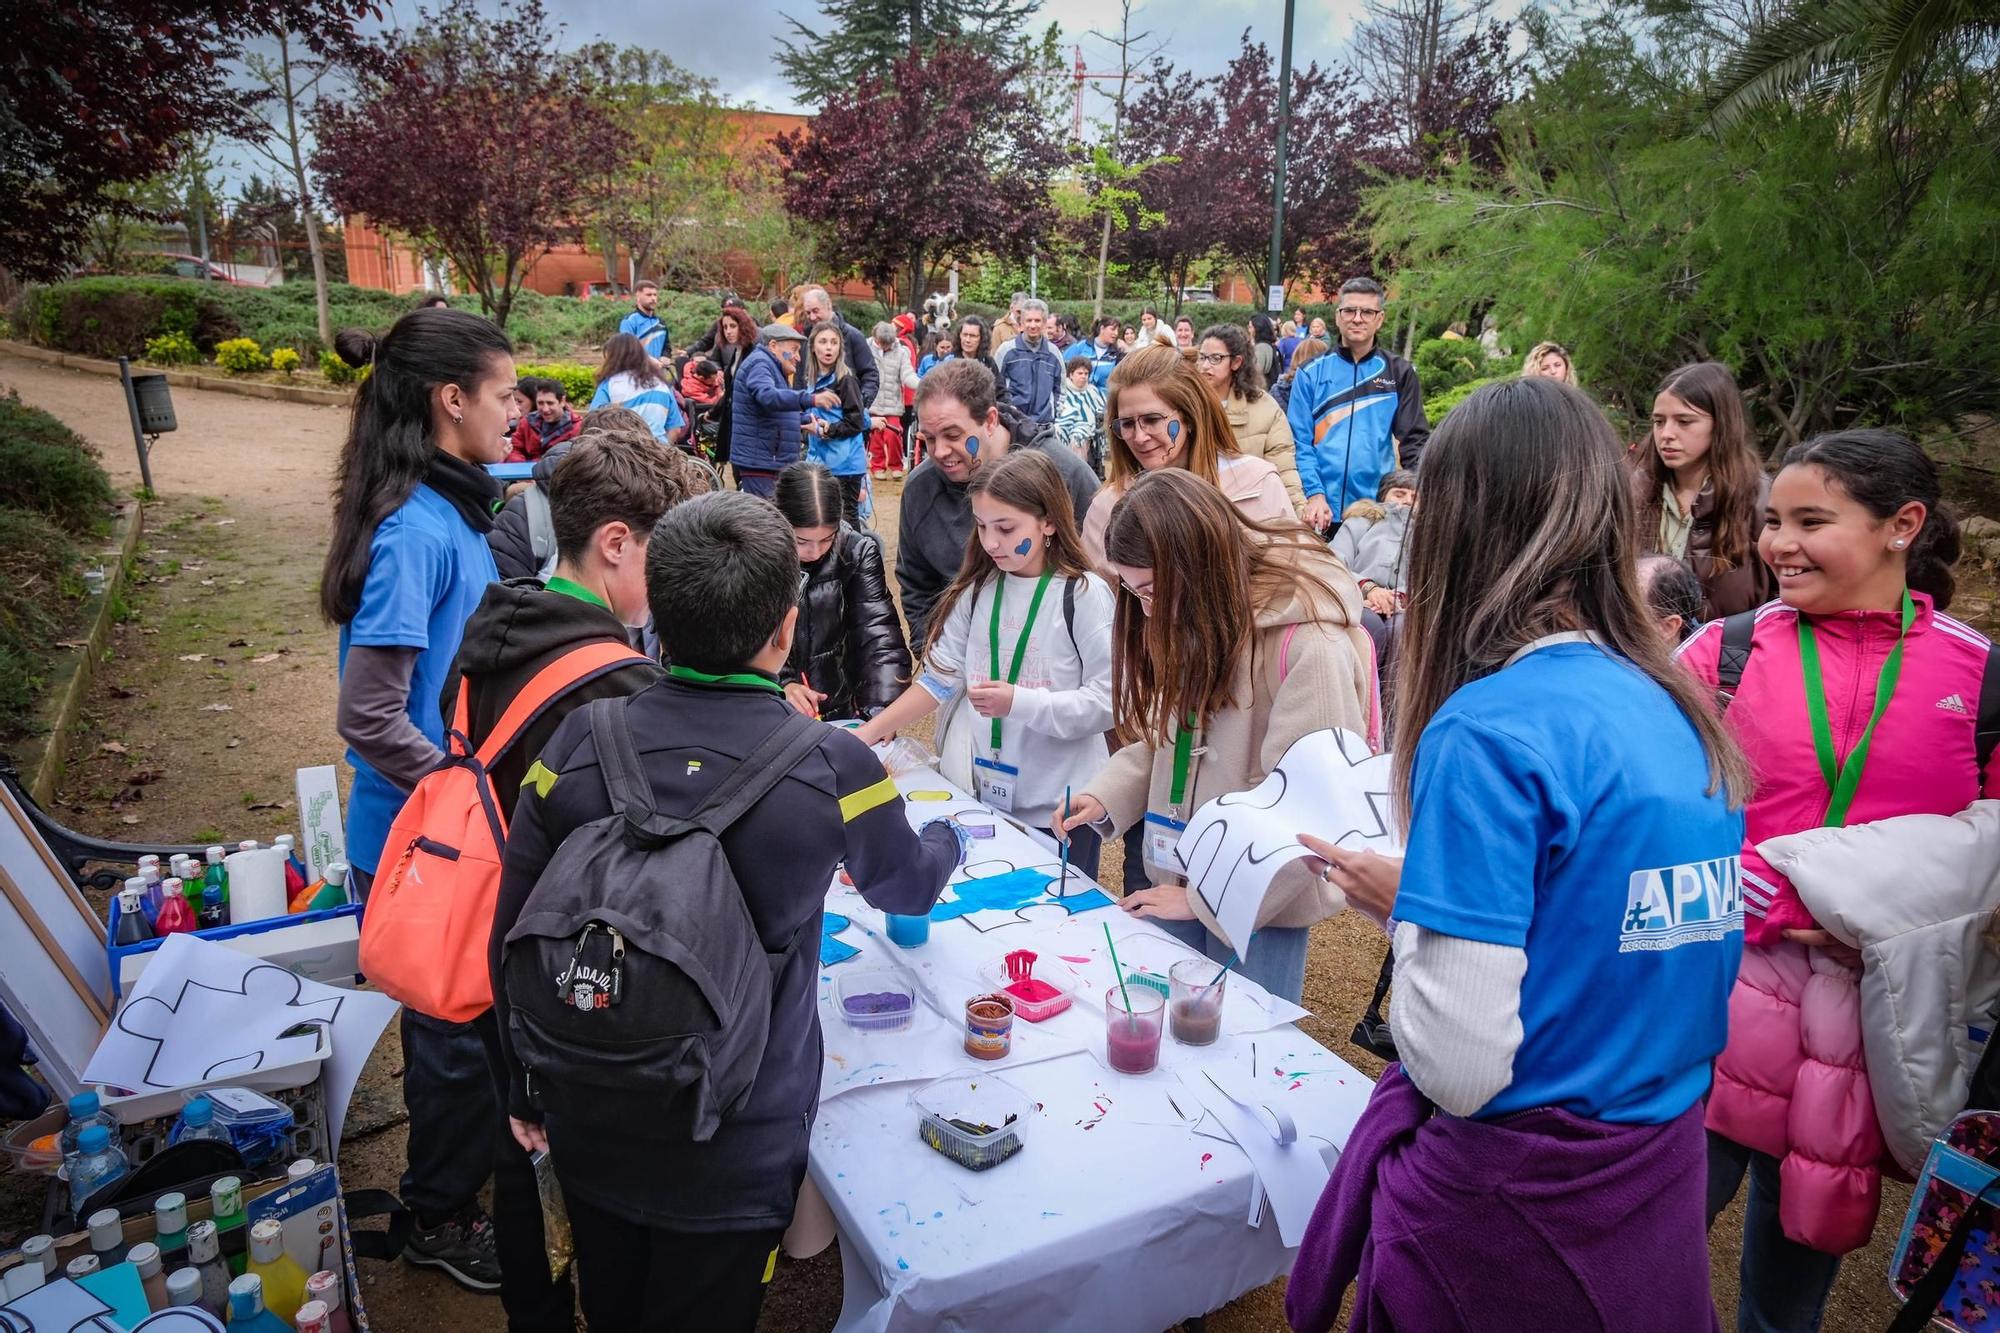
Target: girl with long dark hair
1022 637
1701 489
834 435
1567 916
1224 360
406 567
734 334
849 657
1232 640
629 378
973 339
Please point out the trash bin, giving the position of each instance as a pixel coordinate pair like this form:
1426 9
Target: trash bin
156 404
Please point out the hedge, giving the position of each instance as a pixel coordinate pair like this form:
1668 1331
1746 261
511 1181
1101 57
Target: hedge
579 382
46 468
864 314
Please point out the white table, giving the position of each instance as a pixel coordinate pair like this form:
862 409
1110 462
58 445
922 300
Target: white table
1117 1214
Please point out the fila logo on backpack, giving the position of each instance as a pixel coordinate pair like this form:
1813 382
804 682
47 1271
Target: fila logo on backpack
425 929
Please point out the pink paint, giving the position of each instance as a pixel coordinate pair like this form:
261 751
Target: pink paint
1206 1158
1296 1085
1071 958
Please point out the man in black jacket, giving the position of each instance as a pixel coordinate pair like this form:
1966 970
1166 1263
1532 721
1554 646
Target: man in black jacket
605 498
671 1233
964 427
816 307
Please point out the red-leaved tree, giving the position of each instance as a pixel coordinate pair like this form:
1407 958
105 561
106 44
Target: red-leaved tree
101 93
942 157
481 140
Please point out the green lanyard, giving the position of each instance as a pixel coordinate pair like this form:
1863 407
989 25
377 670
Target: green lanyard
693 677
1020 644
1183 752
1843 778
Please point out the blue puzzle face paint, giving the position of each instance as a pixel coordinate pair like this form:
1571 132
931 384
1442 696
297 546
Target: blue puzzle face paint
972 446
1173 430
1027 545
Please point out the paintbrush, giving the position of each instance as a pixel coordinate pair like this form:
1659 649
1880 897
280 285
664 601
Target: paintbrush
1062 879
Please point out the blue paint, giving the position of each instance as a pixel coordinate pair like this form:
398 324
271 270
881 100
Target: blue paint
902 1263
1014 890
972 446
1173 430
1027 545
831 950
936 1215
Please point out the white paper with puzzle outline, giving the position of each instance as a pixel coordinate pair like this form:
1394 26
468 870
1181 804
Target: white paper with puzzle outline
201 1011
1328 784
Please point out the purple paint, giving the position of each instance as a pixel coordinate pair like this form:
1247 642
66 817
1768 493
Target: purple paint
877 1003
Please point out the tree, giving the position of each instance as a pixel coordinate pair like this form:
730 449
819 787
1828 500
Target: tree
481 140
1814 46
113 97
660 203
1112 179
1398 52
1191 191
941 158
292 78
865 37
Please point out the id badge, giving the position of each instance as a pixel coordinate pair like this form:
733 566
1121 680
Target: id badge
1163 840
996 783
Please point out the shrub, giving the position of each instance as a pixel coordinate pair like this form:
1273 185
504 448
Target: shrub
334 370
46 468
284 360
111 317
39 594
1446 363
240 356
172 349
579 382
1440 403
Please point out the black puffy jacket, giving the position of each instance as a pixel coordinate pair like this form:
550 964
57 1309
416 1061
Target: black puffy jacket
849 643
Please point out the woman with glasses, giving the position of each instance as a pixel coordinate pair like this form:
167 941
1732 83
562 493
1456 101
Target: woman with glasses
1224 362
1160 414
1230 641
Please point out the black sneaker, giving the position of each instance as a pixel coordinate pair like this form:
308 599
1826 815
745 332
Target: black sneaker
462 1247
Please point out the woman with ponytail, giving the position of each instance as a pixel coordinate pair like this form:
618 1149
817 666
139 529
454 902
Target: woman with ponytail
406 568
1858 702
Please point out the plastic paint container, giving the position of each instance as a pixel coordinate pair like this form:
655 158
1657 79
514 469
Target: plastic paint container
908 932
1132 1040
875 1000
989 1026
974 1120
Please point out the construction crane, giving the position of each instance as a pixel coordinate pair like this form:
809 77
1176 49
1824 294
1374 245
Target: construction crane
1081 76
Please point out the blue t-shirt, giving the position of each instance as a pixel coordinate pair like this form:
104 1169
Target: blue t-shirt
427 570
654 402
1561 806
647 329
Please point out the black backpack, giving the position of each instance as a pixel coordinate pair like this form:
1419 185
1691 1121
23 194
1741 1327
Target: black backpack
639 990
1738 637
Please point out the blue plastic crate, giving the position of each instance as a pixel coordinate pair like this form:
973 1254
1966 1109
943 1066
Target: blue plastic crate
116 954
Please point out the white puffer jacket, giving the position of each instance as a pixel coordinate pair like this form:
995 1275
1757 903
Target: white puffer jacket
1916 895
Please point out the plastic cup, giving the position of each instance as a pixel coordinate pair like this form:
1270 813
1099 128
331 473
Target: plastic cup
908 932
1194 1009
1132 1039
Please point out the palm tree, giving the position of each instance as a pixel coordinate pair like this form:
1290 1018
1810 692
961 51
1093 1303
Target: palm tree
1813 45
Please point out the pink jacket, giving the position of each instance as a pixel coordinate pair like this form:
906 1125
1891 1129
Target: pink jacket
1792 1082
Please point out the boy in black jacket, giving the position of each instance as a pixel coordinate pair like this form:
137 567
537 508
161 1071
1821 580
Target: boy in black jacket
671 1233
605 495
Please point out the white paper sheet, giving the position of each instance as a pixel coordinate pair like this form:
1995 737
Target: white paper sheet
1328 784
202 1011
1292 1175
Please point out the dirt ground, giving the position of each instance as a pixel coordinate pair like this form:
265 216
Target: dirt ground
223 682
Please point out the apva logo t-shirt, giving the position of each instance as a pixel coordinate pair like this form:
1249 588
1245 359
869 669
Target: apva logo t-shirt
1561 806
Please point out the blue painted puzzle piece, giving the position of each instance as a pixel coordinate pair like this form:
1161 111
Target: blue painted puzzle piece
1011 892
831 950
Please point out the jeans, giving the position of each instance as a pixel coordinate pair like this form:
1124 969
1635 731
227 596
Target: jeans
1086 849
635 1279
1783 1285
1136 875
764 484
1275 960
446 1086
534 1302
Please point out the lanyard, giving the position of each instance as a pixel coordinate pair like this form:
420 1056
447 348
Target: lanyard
1183 752
1020 644
1843 778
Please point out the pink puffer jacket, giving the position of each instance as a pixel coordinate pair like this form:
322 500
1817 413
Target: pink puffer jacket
1792 1082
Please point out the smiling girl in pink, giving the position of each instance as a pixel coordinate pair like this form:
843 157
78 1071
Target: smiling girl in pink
1858 701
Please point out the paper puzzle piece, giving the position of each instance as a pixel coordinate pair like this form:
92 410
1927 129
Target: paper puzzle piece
187 1319
1010 892
831 950
209 1033
60 1306
1329 783
119 1287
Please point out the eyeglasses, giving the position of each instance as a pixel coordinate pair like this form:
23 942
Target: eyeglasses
1357 312
1144 594
1210 358
1152 423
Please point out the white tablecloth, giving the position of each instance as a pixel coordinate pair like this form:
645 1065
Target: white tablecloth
1118 1213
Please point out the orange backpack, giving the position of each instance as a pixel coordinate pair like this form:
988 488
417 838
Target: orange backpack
428 917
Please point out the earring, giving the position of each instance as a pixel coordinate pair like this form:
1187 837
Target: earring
1899 543
458 419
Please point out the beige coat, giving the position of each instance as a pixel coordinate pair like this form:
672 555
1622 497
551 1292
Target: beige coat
1262 432
1251 484
1329 683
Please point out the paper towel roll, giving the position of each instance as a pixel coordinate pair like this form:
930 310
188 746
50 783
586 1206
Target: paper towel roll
256 884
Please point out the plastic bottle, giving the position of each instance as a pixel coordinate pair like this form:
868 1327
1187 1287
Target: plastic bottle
284 1281
312 1318
197 1121
246 1308
249 845
214 907
145 1256
84 1111
82 1266
225 1205
205 1253
184 1288
323 894
176 912
217 874
149 871
325 1288
133 928
295 869
20 1280
170 1224
99 1162
300 1169
40 1251
107 1237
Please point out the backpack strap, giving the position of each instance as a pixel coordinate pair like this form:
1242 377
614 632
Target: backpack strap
753 778
553 681
1738 637
1986 736
541 530
1069 616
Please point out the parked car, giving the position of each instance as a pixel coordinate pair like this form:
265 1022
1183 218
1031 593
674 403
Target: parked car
616 291
1197 295
165 265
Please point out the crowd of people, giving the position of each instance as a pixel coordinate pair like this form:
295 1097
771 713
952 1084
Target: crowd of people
1132 567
